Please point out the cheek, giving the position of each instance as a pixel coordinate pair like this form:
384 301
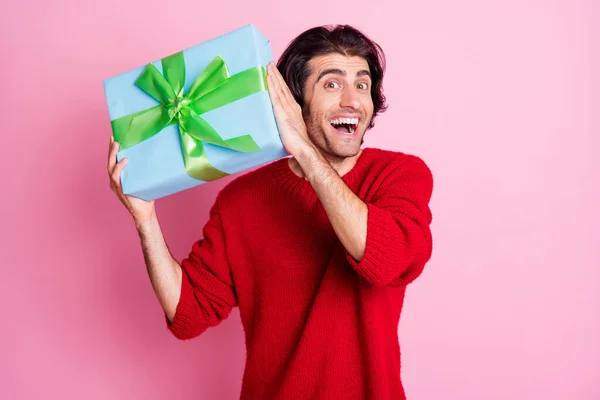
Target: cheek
369 106
319 110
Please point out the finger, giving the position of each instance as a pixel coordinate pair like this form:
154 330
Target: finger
116 173
272 81
112 156
273 91
277 81
281 84
111 142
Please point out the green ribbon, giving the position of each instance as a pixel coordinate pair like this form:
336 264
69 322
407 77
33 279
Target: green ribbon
214 87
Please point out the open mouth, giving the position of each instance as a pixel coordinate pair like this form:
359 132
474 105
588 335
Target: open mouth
346 126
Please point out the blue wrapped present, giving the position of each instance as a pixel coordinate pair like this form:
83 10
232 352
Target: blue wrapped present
195 116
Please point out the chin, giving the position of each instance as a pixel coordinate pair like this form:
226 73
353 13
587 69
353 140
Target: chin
345 150
349 153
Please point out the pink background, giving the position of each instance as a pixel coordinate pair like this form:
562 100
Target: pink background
501 99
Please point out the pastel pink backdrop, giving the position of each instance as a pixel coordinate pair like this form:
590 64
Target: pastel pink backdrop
501 98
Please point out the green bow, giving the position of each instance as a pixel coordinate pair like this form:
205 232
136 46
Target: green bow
213 88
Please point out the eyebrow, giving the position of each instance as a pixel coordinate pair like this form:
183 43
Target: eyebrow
337 71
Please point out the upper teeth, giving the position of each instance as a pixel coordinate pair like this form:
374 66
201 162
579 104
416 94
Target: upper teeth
346 121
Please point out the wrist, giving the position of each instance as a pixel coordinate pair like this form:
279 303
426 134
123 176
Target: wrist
146 223
306 154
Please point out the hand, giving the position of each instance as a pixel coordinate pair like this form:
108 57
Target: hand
140 210
288 113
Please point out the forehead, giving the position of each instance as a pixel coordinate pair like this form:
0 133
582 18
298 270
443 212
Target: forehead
348 64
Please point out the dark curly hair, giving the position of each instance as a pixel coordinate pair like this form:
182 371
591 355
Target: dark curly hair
342 39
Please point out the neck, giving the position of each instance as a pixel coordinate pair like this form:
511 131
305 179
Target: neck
342 165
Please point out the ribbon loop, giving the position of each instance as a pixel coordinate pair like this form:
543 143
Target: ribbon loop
174 70
152 82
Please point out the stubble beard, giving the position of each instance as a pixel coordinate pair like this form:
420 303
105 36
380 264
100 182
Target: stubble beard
321 139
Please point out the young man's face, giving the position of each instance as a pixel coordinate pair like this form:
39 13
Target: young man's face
337 103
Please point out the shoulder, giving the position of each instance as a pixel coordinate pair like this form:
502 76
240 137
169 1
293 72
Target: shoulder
397 175
389 163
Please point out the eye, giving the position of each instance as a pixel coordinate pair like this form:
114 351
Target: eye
332 85
363 86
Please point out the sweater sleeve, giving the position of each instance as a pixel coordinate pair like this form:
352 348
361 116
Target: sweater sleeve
399 240
207 290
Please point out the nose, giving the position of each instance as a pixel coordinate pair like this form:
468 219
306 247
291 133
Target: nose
350 98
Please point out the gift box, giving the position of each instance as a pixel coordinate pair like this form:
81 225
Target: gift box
195 116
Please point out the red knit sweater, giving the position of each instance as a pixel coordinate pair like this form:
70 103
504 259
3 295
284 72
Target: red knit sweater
318 324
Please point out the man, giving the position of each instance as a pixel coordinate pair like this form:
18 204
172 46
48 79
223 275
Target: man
317 249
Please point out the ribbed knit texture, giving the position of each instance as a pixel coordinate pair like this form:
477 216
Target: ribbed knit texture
318 324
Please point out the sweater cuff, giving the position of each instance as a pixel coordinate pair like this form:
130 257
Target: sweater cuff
184 313
380 264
